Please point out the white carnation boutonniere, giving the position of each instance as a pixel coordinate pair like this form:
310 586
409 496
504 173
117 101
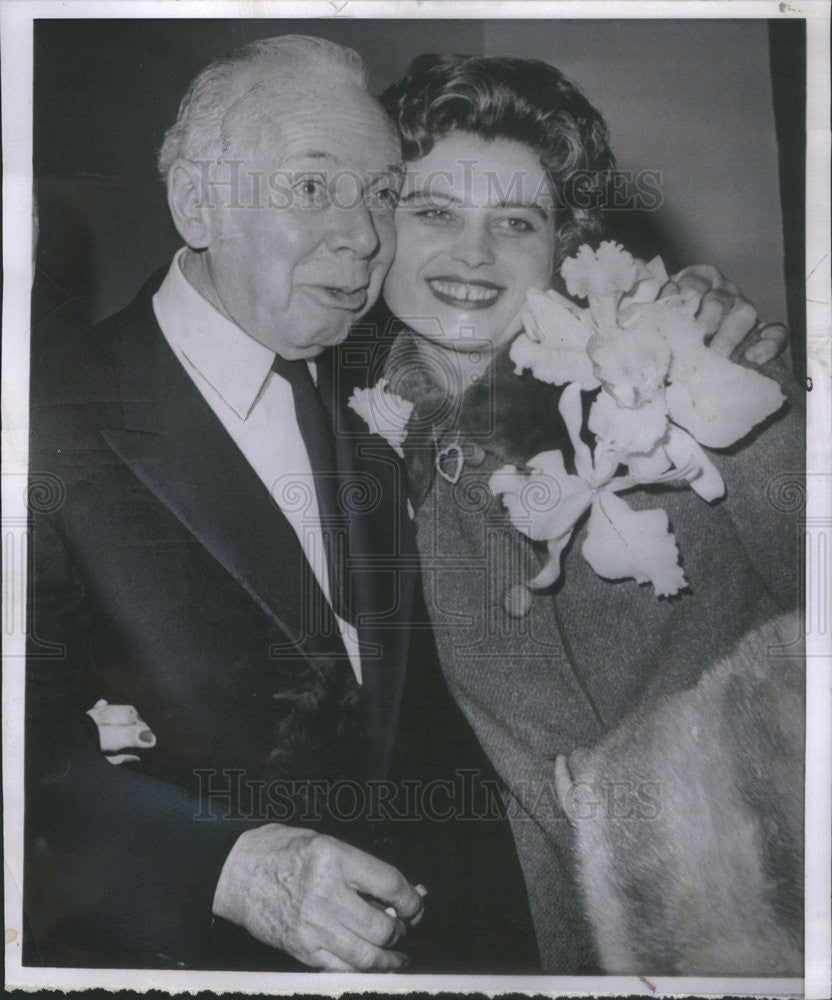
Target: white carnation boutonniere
384 412
664 393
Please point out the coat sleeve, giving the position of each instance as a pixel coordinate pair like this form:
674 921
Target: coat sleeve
116 860
766 492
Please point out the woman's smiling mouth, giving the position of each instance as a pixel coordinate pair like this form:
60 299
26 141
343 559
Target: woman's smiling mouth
465 294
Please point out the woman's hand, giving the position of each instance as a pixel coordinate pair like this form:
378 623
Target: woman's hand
120 728
730 319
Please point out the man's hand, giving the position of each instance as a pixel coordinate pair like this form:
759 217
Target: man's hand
301 892
728 316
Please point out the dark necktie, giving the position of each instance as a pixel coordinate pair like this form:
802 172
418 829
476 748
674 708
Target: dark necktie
327 461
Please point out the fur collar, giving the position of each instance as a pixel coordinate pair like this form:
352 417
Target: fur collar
510 417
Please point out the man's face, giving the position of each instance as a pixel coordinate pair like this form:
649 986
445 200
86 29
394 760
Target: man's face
303 252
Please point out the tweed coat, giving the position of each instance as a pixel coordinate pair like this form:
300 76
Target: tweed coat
589 651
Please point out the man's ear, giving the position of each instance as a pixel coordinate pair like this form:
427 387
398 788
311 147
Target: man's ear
188 203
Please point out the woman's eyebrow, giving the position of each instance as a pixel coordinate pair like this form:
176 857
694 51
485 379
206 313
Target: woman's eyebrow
427 194
531 206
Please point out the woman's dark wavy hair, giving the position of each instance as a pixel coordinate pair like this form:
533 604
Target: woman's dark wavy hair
524 100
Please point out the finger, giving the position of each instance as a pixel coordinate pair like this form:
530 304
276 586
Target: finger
415 921
712 276
691 286
360 954
707 273
761 353
669 289
736 325
325 960
715 306
777 334
369 920
376 878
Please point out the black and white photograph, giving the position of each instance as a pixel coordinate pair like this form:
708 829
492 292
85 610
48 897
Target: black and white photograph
415 544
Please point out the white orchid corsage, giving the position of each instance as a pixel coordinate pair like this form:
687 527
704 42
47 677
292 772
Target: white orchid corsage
663 394
385 413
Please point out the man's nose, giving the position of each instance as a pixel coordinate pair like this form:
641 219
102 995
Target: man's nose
474 247
354 229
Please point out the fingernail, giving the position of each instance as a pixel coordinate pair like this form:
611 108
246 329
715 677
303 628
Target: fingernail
421 890
146 736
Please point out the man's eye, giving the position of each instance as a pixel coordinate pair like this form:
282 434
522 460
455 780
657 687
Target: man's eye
434 214
386 198
311 191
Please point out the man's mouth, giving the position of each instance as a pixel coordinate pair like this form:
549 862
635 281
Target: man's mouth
465 294
344 298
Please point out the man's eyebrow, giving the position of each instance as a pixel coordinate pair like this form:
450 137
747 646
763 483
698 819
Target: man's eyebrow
310 154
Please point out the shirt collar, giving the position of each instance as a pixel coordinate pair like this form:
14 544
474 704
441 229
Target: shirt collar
234 364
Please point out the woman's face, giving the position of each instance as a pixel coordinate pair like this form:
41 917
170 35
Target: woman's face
475 230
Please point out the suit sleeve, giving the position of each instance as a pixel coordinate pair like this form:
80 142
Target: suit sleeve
116 860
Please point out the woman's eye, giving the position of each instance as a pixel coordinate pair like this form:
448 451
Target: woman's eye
516 224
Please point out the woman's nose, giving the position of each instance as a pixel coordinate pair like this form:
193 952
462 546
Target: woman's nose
474 247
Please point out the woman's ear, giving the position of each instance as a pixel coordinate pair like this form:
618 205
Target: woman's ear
188 203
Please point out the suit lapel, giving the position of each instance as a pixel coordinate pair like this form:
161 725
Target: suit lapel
178 448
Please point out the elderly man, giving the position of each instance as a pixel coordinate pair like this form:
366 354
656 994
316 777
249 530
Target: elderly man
204 569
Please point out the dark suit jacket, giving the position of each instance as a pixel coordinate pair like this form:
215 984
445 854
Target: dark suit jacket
165 576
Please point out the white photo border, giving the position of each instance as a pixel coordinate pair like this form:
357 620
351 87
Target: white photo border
16 22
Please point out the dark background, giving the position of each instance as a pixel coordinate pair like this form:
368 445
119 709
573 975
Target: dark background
716 105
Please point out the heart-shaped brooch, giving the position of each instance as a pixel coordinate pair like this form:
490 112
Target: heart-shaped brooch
449 462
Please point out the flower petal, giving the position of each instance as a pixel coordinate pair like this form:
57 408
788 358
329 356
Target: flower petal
571 409
600 276
555 348
546 503
385 412
718 401
623 430
608 270
551 570
684 452
645 467
631 363
657 269
623 543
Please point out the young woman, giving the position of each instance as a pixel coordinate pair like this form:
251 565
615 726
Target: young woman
507 163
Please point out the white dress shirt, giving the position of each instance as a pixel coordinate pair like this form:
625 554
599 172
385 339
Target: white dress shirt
255 406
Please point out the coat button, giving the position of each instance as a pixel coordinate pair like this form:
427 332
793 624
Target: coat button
517 600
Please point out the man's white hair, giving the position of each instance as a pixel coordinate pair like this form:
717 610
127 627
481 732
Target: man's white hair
201 128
